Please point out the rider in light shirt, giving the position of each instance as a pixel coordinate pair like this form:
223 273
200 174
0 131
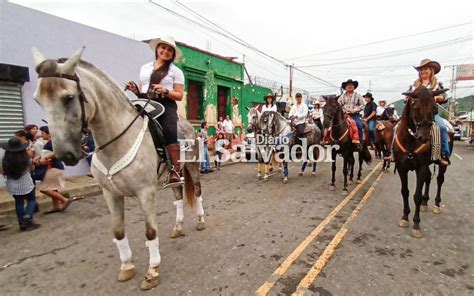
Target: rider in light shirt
298 114
269 103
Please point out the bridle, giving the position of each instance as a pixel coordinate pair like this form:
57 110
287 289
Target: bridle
82 97
83 100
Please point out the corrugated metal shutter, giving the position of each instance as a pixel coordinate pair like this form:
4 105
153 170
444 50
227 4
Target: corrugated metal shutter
11 110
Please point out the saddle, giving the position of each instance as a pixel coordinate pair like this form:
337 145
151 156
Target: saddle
153 110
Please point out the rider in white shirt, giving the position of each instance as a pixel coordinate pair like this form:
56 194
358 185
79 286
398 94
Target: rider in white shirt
318 115
269 103
298 114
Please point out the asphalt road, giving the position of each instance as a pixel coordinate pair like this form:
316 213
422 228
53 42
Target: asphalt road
260 236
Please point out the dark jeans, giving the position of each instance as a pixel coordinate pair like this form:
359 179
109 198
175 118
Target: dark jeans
300 130
372 133
169 122
21 212
219 158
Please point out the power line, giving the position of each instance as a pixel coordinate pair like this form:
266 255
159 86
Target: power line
235 39
397 53
380 41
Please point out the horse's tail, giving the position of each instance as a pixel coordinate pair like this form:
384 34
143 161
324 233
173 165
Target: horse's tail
189 187
366 156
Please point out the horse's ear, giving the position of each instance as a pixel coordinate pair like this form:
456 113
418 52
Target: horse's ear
247 108
37 56
440 91
410 94
69 66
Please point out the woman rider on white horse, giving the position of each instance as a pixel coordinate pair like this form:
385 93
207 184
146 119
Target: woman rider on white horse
269 103
163 82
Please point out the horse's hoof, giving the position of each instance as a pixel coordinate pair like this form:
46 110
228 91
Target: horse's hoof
403 223
344 193
285 180
349 182
126 275
313 174
332 187
358 181
177 230
416 233
201 225
300 174
151 280
265 178
259 177
423 208
436 210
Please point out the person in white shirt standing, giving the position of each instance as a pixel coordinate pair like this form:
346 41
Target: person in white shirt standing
228 129
318 115
269 103
298 114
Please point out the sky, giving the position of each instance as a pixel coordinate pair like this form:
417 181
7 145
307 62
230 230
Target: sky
326 39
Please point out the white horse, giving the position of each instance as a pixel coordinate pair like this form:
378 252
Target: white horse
75 94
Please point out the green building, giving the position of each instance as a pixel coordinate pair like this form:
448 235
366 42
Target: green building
215 88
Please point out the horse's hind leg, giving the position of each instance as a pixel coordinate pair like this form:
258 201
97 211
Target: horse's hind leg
440 181
179 204
147 199
201 224
259 170
315 165
359 173
333 171
350 168
345 171
426 193
116 208
403 174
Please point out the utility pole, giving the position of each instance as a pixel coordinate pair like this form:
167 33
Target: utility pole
246 72
291 81
452 100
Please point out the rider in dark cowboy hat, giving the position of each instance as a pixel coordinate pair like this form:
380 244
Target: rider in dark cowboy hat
370 112
163 82
352 103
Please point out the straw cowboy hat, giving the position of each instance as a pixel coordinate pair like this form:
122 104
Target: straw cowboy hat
429 63
270 95
14 145
166 40
355 83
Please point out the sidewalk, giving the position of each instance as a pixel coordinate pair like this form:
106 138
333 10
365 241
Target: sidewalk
75 186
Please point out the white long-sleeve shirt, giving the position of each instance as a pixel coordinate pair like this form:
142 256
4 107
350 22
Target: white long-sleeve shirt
300 111
318 113
266 108
228 126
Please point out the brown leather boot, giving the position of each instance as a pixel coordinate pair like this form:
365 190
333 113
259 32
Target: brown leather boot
174 177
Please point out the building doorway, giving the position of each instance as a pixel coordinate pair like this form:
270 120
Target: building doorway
222 95
195 100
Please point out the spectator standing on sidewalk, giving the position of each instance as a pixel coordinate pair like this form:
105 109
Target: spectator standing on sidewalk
205 157
53 181
16 166
220 149
229 130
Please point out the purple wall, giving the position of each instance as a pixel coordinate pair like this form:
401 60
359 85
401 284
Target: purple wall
22 28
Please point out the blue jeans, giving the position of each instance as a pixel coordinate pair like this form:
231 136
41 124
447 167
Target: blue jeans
360 126
372 134
21 212
205 159
444 136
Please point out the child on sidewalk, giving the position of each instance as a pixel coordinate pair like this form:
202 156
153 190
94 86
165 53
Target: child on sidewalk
16 166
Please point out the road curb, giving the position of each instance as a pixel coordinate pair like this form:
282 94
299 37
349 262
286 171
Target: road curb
8 206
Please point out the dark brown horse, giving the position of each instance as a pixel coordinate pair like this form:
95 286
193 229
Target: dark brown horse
412 149
336 129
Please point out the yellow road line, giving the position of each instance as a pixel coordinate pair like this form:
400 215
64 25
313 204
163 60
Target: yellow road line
331 248
285 265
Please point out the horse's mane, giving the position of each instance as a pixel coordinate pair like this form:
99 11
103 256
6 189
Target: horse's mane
105 78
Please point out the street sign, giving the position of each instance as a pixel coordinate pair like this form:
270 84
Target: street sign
465 72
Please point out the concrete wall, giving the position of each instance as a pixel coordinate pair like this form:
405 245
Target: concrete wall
22 28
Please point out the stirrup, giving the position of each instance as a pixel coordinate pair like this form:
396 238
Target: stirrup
168 184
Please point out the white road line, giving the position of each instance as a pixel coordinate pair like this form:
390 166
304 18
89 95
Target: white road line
455 154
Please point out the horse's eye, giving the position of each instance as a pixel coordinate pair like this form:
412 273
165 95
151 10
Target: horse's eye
68 98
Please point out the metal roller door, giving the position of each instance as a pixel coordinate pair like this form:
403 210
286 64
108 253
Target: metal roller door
11 110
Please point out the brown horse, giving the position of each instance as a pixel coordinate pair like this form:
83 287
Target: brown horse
335 126
384 138
412 149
